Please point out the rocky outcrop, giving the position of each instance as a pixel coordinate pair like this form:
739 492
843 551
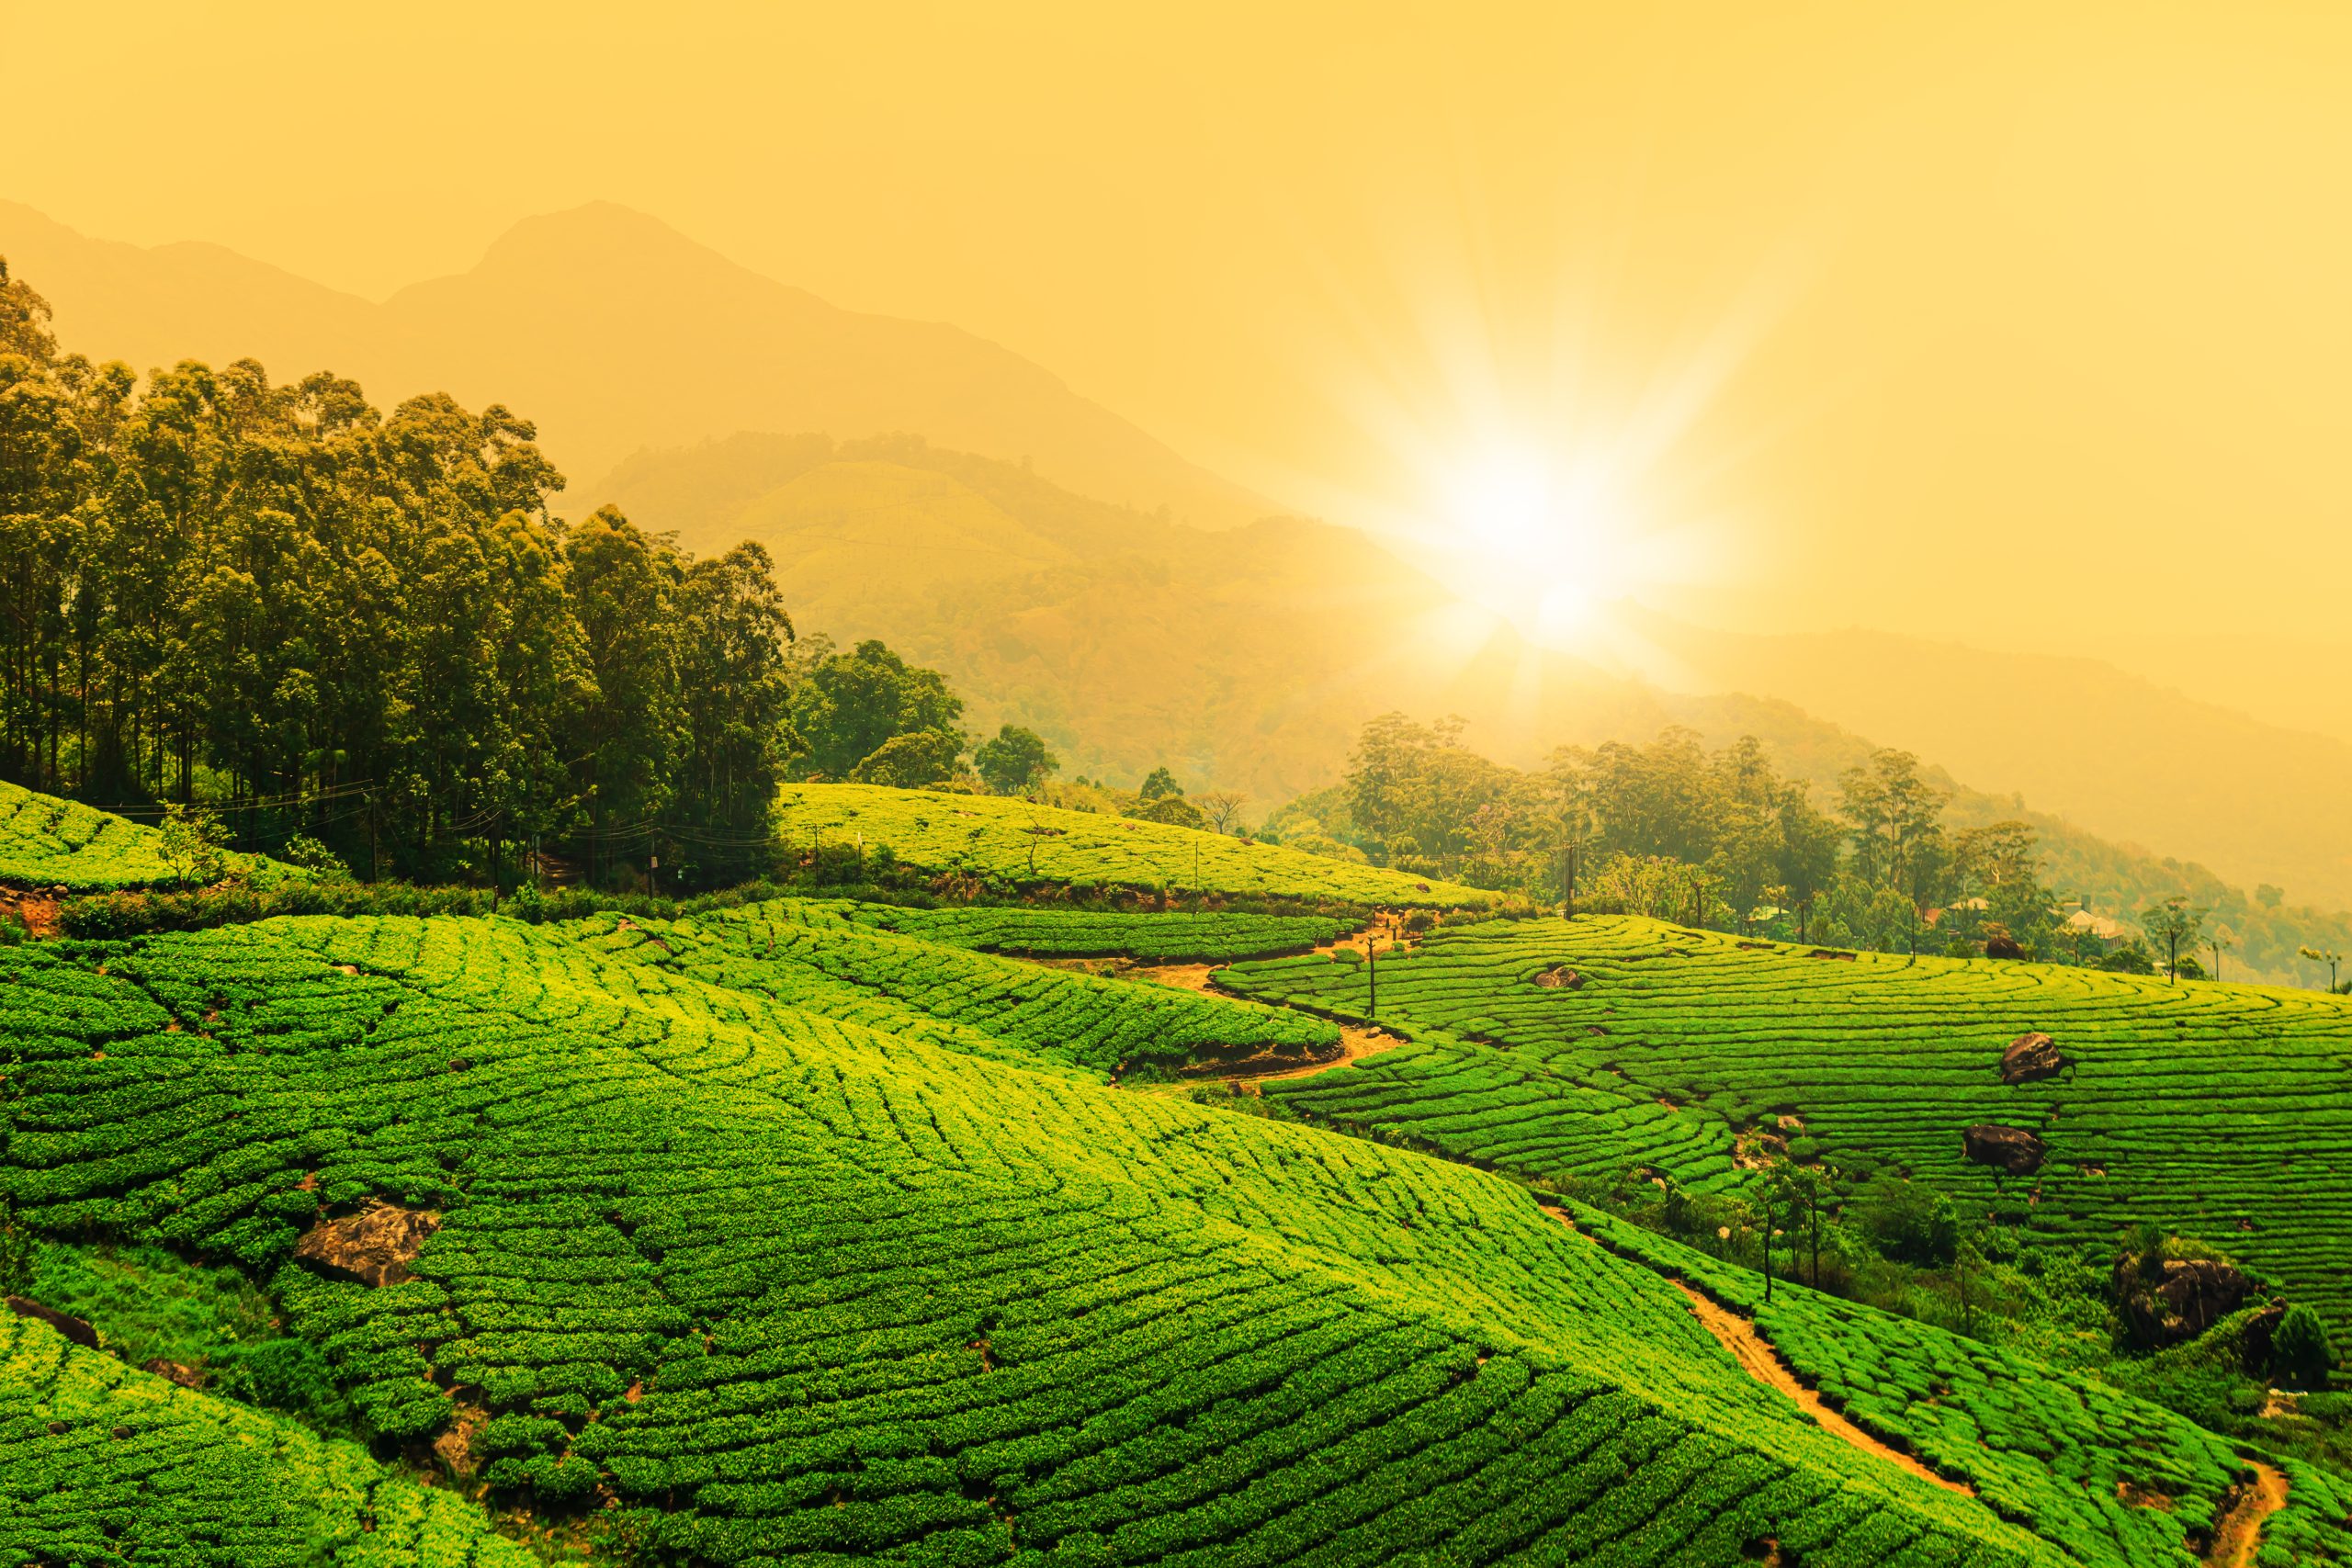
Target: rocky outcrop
374 1246
2012 1149
179 1372
2031 1058
2177 1299
1559 979
76 1329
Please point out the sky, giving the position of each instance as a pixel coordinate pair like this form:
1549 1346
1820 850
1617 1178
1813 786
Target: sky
2018 325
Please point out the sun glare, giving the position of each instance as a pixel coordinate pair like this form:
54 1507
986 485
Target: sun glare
1528 537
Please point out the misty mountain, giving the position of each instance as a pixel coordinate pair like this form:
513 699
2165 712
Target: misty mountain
2079 737
1246 657
613 332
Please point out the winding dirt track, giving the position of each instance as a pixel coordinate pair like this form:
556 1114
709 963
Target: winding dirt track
2239 1536
1760 1362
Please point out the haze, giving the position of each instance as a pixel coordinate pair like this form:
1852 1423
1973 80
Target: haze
1993 326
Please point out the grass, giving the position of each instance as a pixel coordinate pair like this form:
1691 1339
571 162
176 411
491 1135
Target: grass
1004 842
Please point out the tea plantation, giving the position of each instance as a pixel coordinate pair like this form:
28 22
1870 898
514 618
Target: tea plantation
99 1463
784 1285
2217 1111
817 1232
49 842
993 841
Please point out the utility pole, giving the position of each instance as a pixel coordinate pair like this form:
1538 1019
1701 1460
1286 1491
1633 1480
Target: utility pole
1371 971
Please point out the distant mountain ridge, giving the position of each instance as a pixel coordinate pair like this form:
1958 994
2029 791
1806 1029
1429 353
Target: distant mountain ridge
2082 738
613 332
1246 658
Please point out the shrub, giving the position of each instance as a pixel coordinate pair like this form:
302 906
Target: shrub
2300 1352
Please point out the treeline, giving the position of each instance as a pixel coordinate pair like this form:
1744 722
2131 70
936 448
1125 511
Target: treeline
366 629
1720 839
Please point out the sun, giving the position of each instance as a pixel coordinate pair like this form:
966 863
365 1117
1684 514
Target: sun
1527 533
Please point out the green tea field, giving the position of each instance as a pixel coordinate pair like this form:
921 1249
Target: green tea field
2218 1112
1010 842
814 1232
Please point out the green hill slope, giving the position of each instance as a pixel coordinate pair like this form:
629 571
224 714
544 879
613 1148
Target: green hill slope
2220 1112
786 1285
1008 842
100 1464
49 842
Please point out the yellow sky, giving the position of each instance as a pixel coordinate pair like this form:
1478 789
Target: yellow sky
2015 324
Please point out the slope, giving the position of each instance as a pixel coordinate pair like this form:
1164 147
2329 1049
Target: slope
2081 737
1002 841
102 1463
786 1286
2217 1111
612 331
1248 659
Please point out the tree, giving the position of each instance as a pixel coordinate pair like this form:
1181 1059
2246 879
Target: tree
2268 895
1222 808
1892 816
847 705
1158 783
734 693
2300 1352
911 760
193 840
2328 956
2171 926
1173 810
2219 940
1014 760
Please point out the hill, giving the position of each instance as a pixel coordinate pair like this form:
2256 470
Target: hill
980 1310
2081 739
2217 1111
613 332
993 841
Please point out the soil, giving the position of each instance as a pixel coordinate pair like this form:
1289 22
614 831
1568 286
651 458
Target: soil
1760 1362
2239 1536
37 912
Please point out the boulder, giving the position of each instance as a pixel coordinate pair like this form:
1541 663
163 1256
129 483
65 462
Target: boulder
374 1246
2179 1300
179 1372
1563 976
76 1329
2031 1058
2012 1149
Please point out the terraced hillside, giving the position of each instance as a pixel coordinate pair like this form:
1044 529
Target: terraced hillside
49 842
2219 1111
789 1285
103 1464
1008 842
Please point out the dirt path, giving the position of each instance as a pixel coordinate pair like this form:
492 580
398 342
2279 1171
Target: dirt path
1760 1362
2239 1536
1357 1041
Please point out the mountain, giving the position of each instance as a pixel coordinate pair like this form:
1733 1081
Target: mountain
613 332
2082 739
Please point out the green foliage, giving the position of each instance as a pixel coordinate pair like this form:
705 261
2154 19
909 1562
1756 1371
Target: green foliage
1158 784
328 620
46 841
306 854
18 1252
2208 1111
1173 938
1172 811
846 706
102 1463
1908 1222
776 1183
996 842
915 761
2301 1350
1015 759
